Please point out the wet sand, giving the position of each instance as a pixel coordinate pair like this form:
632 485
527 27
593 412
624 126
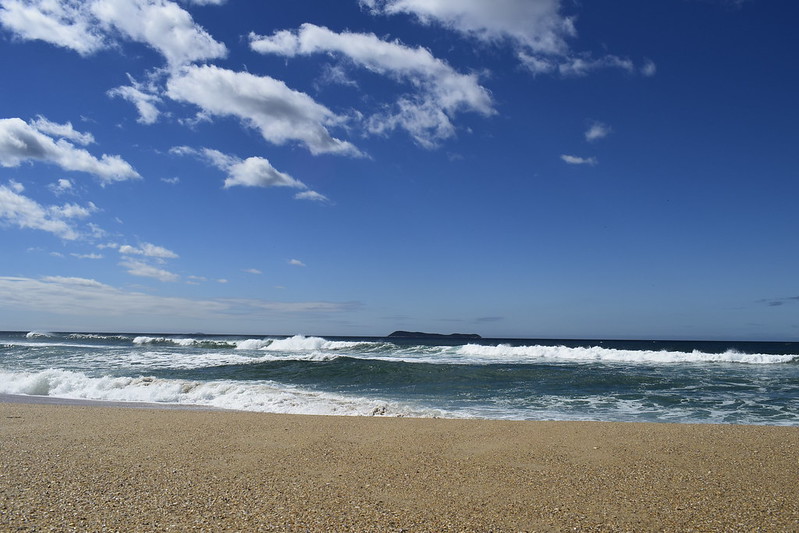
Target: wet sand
92 468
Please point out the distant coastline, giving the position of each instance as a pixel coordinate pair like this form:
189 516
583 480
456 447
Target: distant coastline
423 335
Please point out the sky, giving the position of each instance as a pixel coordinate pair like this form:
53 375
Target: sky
514 168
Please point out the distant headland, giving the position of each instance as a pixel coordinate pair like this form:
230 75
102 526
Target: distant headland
422 335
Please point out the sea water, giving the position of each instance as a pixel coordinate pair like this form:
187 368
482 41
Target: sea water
518 379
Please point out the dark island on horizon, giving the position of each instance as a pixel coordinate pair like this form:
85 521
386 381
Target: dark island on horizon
422 335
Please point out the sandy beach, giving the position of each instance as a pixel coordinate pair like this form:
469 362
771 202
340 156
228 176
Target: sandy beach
93 468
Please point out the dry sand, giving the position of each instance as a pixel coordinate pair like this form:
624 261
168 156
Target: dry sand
90 468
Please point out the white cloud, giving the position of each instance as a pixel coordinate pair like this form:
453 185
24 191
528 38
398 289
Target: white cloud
26 213
148 250
65 131
252 271
144 270
247 305
311 195
649 69
576 160
62 23
536 25
69 296
87 256
250 172
258 172
87 27
80 297
585 64
62 186
440 91
161 24
537 30
136 93
296 262
72 211
596 131
279 113
21 142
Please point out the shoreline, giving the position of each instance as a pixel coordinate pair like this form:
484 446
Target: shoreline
116 468
57 400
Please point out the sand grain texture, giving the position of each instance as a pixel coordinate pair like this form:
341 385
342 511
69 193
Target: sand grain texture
88 468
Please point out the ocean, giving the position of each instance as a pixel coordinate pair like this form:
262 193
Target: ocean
510 379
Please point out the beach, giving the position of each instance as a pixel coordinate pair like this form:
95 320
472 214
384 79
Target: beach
91 468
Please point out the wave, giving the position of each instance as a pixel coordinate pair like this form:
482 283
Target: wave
261 396
504 353
297 343
98 336
39 334
309 348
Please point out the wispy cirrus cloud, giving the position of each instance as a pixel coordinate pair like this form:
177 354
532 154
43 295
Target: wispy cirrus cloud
777 302
82 297
147 249
146 270
142 96
577 160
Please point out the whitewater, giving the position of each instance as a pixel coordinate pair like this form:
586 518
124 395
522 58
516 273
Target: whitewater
516 379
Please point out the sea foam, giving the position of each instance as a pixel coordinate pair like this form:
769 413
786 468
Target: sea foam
504 353
262 396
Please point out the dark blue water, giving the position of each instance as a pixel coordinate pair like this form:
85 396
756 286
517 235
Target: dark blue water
523 379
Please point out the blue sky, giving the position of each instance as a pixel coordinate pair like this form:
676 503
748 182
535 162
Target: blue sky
514 168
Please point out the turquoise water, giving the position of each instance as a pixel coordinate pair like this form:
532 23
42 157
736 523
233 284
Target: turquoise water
520 379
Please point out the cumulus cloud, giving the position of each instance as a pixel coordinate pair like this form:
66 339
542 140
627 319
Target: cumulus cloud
87 27
23 212
536 25
596 131
61 23
258 172
440 91
250 172
252 271
537 30
141 96
162 25
576 160
280 114
296 262
20 142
